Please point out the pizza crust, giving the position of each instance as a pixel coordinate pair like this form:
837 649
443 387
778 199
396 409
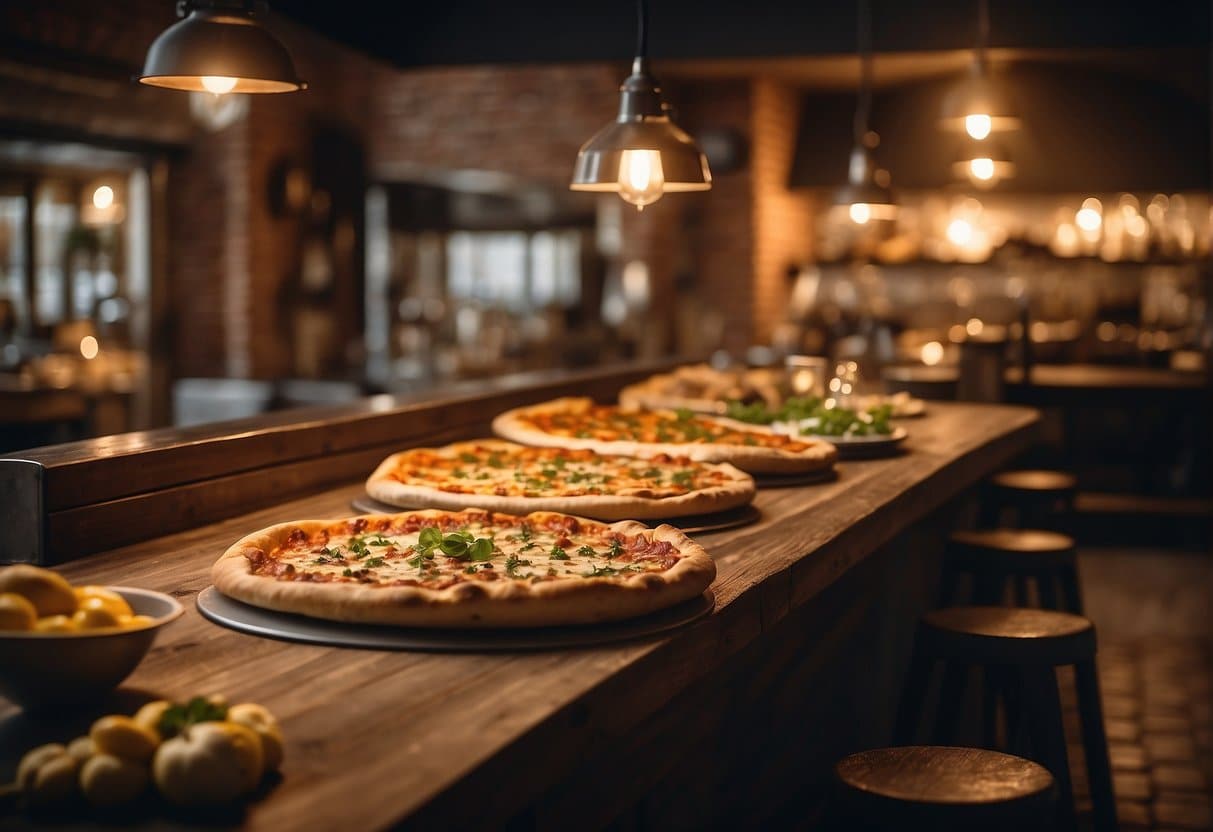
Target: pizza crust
738 490
818 456
471 604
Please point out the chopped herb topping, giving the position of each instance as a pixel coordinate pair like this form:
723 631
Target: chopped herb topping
558 553
511 566
588 551
371 563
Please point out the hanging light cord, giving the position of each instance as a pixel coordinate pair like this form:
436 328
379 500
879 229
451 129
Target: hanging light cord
642 28
863 38
983 32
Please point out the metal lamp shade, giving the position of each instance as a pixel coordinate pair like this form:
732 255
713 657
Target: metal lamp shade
215 44
863 188
684 166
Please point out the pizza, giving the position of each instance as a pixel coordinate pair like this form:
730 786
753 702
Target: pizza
579 423
704 389
504 476
470 568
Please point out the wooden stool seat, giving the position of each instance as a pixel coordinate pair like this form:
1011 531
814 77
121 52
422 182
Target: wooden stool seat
940 787
1011 550
1037 498
1040 483
1008 635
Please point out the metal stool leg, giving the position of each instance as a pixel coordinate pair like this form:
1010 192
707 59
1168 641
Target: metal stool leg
1070 590
951 699
1043 714
1045 583
913 695
1095 745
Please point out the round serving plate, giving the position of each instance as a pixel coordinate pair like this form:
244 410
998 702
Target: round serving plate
246 618
690 524
868 447
793 480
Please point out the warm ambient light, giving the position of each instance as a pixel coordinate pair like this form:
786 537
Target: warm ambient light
982 168
218 84
1088 219
103 197
978 125
89 347
860 212
974 326
932 353
641 178
960 232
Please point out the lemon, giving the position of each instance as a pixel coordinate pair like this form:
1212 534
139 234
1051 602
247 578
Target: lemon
16 612
48 591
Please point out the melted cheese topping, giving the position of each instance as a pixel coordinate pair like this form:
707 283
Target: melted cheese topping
504 469
611 424
400 551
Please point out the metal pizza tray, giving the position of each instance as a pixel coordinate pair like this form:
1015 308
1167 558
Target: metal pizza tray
691 524
869 447
246 618
790 480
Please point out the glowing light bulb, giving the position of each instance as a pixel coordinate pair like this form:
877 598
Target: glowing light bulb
89 347
978 125
641 179
932 353
1088 219
103 197
960 232
861 212
218 84
982 168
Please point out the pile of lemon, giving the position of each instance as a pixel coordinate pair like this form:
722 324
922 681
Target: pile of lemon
42 601
201 753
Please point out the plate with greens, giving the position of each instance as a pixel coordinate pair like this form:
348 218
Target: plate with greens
856 433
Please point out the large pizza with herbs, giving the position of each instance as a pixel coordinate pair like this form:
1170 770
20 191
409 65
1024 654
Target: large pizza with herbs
504 476
469 568
608 429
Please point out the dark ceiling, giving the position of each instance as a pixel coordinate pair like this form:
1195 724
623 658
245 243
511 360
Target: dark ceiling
450 32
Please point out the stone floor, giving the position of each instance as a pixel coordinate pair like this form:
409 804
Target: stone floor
1151 611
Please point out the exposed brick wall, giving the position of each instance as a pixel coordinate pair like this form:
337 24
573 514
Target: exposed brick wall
782 228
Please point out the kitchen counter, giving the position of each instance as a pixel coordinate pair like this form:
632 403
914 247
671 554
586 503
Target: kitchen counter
713 721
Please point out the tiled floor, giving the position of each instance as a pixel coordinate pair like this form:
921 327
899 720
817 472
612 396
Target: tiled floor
1156 694
1151 611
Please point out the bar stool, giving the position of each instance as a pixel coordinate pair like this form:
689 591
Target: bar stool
935 787
1038 497
996 558
1017 650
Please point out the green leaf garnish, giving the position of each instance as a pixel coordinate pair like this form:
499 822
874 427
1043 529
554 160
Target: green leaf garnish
558 553
177 717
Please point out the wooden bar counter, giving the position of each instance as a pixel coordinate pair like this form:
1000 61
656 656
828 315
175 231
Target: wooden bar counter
733 720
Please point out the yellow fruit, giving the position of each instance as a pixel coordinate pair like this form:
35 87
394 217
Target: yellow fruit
87 596
149 715
107 780
46 590
81 748
16 612
95 618
209 763
123 737
56 624
33 760
47 775
134 622
265 726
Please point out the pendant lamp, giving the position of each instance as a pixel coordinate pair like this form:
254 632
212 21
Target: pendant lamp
984 163
867 195
219 47
642 154
977 106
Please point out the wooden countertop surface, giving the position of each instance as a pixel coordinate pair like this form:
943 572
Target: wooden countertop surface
376 738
